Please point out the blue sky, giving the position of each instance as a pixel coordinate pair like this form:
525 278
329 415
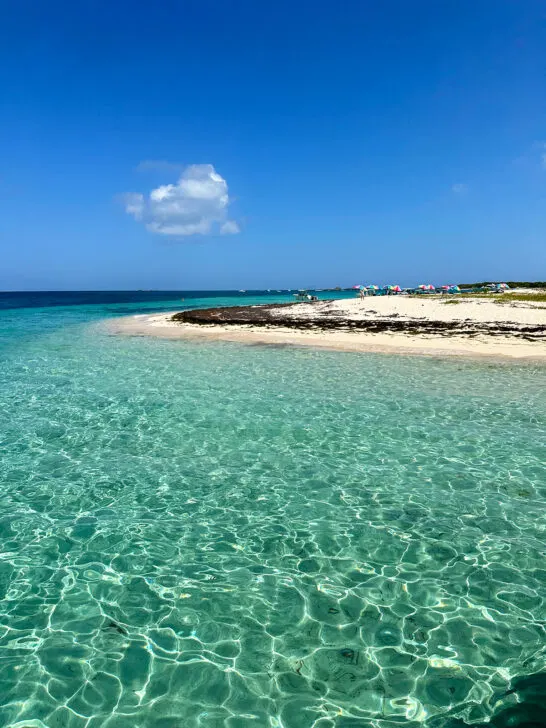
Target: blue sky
330 142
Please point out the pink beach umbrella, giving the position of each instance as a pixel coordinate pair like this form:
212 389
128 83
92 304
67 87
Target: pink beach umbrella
397 289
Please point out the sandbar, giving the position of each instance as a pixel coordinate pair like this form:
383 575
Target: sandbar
425 326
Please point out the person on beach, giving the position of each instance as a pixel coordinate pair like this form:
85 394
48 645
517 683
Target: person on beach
361 294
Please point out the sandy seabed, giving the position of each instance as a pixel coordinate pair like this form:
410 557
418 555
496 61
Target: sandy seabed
479 327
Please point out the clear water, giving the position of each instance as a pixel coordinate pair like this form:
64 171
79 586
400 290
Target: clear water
205 535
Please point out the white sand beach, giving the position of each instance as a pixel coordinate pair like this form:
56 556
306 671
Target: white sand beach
484 328
432 308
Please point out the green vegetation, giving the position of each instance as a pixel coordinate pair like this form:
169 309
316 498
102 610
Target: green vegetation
533 297
451 301
492 296
512 284
506 297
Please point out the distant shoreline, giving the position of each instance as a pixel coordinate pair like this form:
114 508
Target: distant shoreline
389 324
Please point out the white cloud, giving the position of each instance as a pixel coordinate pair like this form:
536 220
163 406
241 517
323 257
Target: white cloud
197 204
459 189
230 227
134 204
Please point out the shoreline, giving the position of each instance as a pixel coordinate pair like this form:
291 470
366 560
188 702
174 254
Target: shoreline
517 333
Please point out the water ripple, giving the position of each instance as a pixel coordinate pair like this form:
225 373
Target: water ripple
212 535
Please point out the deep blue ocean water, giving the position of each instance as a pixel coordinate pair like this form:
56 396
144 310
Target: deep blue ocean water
211 534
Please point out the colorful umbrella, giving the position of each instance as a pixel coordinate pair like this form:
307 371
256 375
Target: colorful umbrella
397 289
373 288
503 285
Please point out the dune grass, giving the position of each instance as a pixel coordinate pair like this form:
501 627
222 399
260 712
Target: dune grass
533 297
508 297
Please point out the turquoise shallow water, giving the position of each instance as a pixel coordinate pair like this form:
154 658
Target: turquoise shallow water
206 535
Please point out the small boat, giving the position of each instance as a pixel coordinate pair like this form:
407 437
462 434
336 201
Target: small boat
242 290
303 295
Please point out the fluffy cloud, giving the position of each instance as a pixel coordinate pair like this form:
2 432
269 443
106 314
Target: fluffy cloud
197 204
230 227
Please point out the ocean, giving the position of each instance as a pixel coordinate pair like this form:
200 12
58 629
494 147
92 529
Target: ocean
208 534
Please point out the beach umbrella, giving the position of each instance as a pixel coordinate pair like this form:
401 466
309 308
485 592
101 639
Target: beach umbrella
388 288
446 288
397 289
357 288
454 288
373 288
503 285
